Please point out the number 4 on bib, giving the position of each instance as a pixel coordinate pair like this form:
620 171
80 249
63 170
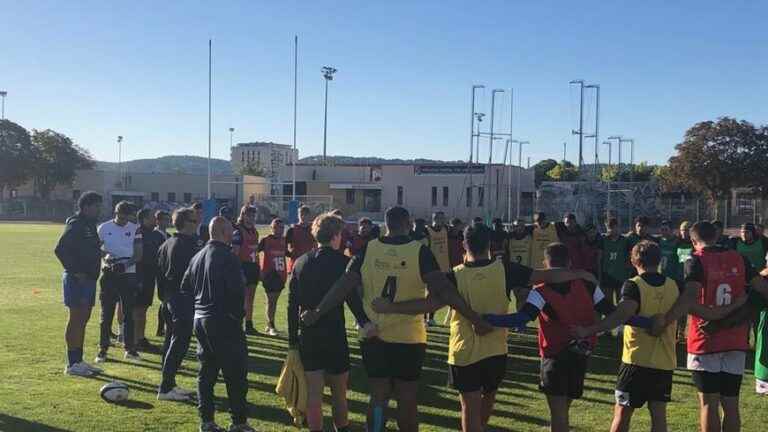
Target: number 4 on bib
390 288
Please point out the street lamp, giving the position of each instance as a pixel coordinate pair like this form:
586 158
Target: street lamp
580 132
479 116
520 145
328 75
231 133
3 94
120 160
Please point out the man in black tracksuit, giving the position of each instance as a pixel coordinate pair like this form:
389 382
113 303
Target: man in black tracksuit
79 251
216 280
173 258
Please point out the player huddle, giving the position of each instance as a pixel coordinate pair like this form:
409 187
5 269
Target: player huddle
575 282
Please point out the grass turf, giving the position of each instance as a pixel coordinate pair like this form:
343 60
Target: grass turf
37 396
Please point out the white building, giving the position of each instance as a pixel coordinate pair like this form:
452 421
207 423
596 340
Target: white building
267 157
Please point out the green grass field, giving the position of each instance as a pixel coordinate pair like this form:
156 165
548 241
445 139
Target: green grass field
37 396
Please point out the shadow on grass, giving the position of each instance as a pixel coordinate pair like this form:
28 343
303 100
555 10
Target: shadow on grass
15 424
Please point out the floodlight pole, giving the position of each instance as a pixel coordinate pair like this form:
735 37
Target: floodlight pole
3 94
120 160
580 132
328 75
520 145
596 136
295 106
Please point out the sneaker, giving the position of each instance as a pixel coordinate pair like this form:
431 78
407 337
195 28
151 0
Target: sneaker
120 339
173 395
242 427
185 391
250 331
132 355
101 357
78 369
147 347
94 369
271 331
211 427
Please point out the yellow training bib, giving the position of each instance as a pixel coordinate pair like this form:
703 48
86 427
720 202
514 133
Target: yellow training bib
642 349
484 290
392 271
541 238
438 244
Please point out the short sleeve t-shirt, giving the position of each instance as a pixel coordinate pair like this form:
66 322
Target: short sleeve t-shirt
117 241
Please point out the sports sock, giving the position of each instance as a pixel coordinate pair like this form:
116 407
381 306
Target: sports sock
378 419
74 356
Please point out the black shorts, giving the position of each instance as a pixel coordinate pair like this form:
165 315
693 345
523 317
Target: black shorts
146 292
250 272
324 349
563 375
393 360
636 385
722 383
273 283
485 375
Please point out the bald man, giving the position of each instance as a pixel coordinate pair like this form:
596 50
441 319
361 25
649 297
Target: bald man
215 280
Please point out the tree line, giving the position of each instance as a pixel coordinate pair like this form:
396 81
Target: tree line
713 158
45 157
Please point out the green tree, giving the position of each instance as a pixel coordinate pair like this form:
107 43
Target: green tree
57 160
16 156
717 156
251 169
541 169
564 171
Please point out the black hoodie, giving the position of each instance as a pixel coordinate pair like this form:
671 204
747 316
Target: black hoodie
79 247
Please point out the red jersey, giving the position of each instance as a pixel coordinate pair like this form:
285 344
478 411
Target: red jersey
247 239
356 244
724 282
572 308
455 248
273 255
300 238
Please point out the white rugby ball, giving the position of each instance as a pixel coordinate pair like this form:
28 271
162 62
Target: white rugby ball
114 392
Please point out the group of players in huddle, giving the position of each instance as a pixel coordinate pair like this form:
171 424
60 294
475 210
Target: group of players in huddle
576 283
638 285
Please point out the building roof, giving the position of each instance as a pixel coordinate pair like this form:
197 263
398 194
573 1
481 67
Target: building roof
262 144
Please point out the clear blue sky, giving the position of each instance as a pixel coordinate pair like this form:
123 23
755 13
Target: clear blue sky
95 70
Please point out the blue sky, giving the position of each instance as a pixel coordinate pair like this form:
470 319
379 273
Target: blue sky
95 70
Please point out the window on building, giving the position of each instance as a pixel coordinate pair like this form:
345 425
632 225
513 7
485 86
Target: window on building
400 193
75 194
242 157
445 196
434 196
372 201
155 196
187 197
14 193
172 196
469 197
350 196
480 196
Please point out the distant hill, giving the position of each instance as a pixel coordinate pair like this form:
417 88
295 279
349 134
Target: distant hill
171 164
363 160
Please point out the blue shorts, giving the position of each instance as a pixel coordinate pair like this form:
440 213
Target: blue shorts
77 292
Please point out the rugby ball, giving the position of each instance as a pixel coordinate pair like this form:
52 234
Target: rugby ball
114 392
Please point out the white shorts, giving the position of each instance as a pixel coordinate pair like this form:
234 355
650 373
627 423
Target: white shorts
731 362
761 387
